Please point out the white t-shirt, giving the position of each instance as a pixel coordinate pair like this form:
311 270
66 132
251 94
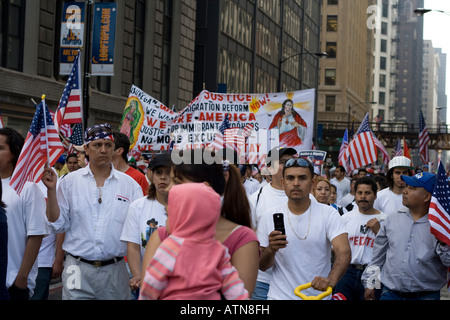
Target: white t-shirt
268 199
144 217
251 186
388 202
302 260
342 188
26 217
361 238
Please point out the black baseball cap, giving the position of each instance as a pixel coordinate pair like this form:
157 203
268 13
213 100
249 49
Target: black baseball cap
281 151
160 160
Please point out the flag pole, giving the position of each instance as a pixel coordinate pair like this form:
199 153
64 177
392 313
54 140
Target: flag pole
45 122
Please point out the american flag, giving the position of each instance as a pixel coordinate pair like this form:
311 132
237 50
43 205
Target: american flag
424 139
247 130
342 152
234 140
77 136
383 150
218 142
362 150
42 144
438 214
398 151
70 105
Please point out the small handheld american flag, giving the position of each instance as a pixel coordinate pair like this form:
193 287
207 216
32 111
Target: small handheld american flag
42 145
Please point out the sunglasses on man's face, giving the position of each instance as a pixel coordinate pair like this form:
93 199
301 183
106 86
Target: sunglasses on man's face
298 162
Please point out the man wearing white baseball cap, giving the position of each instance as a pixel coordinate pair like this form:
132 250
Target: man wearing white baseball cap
389 200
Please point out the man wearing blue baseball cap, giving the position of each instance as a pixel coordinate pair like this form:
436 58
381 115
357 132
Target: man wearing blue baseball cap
408 262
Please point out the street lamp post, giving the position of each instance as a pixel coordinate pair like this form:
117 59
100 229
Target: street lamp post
280 63
421 11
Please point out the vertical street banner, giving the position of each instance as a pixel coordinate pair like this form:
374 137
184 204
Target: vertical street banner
103 39
72 34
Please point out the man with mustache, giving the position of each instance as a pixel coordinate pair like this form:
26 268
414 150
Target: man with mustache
408 262
362 225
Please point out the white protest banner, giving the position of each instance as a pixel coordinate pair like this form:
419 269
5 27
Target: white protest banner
147 122
292 114
287 118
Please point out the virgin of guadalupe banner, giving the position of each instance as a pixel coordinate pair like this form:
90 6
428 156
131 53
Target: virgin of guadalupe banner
147 122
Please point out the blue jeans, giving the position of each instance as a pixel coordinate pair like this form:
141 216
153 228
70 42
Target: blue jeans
351 286
261 291
388 294
43 279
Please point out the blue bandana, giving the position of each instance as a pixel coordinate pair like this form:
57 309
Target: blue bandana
99 131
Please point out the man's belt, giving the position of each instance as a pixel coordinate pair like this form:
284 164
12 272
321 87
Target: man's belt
98 264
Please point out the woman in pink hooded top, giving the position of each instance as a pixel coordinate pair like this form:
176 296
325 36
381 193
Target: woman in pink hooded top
191 264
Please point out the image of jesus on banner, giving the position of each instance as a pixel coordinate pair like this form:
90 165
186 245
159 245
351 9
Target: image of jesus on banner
291 125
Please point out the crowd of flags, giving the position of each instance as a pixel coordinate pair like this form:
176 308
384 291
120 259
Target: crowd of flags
363 149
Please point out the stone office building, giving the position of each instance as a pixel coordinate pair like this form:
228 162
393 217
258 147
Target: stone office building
155 42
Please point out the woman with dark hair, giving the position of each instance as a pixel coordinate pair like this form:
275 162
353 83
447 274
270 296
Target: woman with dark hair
145 216
233 229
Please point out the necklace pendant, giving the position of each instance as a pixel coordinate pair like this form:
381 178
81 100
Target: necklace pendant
99 200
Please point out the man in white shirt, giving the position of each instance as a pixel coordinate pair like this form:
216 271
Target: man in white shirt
389 200
341 182
303 255
90 206
265 198
362 229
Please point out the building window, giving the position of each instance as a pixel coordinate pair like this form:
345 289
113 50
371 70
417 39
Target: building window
382 98
234 71
382 81
330 103
383 63
331 49
332 23
266 44
383 45
236 23
12 24
384 28
331 2
385 10
330 77
292 23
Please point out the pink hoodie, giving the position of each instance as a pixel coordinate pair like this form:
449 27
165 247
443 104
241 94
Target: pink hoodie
191 264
